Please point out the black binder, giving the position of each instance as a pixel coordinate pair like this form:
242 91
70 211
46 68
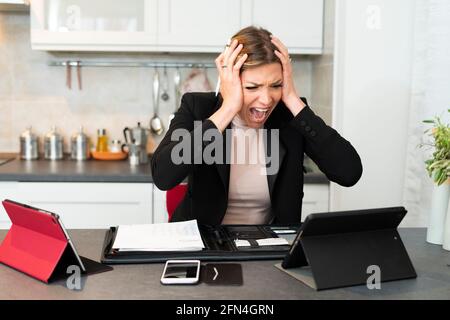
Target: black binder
219 245
337 249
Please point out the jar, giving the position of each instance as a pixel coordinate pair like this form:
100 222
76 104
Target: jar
102 141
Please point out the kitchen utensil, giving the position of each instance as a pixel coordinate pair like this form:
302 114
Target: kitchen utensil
177 82
80 146
115 146
165 85
68 75
155 123
138 136
79 74
102 141
29 145
53 145
135 152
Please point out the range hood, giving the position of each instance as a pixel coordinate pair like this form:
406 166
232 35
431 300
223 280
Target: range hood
14 5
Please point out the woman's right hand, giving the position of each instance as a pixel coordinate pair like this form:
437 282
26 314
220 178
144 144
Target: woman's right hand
229 73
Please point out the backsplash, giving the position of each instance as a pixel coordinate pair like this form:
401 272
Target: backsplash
35 94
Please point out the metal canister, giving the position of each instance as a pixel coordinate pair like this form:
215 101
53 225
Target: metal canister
80 146
53 145
29 145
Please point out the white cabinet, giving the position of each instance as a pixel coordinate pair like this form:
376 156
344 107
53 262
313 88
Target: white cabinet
84 205
101 205
197 25
159 206
101 25
298 23
170 25
315 199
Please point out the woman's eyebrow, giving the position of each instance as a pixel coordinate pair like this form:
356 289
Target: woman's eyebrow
258 84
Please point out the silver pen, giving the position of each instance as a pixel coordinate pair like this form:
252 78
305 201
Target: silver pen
218 80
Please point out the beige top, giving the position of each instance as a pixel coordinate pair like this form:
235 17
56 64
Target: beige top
248 194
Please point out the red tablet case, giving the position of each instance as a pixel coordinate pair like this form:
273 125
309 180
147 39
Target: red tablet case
35 243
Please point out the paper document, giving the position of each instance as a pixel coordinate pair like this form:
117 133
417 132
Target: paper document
175 236
262 242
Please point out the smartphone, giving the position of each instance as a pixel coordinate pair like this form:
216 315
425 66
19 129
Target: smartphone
181 272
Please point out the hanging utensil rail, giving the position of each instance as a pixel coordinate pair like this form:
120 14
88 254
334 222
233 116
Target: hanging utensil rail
128 64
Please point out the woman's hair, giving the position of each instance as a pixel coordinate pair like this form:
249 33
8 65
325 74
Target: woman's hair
257 45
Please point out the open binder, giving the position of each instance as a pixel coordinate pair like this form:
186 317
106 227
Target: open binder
37 244
219 242
339 249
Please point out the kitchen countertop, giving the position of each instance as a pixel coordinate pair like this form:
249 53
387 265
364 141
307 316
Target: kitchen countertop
141 281
97 171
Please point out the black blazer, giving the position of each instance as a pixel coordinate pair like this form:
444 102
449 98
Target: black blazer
207 196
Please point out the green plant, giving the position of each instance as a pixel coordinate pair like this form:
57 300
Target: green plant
438 167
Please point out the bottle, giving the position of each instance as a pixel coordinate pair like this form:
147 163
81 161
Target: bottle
102 141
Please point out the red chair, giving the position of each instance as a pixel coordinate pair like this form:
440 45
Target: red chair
174 197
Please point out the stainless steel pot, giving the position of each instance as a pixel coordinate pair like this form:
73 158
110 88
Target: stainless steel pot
80 146
29 145
53 145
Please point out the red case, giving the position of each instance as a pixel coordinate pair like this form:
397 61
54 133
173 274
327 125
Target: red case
34 244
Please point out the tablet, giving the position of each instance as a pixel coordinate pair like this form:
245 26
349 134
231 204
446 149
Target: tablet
40 220
340 222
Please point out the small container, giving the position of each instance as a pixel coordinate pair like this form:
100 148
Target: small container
53 145
115 146
102 141
29 145
80 146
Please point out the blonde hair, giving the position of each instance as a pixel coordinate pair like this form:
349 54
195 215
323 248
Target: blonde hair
257 45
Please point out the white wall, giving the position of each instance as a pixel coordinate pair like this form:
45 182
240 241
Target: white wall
372 86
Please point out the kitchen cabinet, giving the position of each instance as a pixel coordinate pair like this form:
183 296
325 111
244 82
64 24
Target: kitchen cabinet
84 205
299 23
101 205
101 25
315 200
170 25
160 214
197 25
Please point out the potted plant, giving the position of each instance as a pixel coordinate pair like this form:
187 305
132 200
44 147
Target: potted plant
438 168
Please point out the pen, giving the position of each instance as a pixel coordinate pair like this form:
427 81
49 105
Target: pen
218 80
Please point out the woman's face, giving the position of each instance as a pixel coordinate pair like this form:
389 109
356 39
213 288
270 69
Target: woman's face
262 91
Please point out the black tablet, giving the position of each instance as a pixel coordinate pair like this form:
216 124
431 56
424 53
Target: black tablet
341 222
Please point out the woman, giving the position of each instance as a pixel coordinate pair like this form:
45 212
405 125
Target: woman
256 92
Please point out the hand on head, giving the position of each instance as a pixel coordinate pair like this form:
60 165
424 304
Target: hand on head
289 94
229 74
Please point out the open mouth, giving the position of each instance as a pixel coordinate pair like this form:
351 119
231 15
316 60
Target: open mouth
259 114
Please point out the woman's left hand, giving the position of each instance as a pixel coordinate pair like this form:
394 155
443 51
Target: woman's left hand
289 95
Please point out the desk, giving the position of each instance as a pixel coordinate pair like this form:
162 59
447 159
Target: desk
261 279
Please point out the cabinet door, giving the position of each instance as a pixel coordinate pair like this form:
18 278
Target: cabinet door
197 25
86 205
100 25
159 206
8 190
298 23
315 199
